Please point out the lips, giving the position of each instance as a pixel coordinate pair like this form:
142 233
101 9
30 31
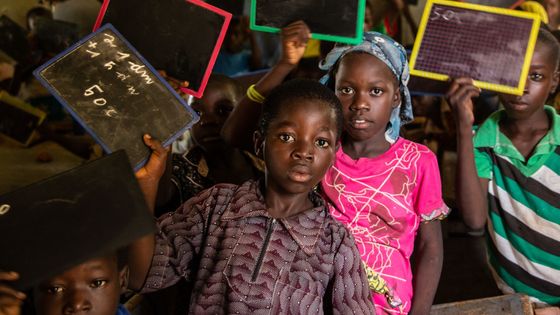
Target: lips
300 173
359 123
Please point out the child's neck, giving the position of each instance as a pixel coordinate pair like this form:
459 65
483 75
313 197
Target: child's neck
369 148
525 133
283 204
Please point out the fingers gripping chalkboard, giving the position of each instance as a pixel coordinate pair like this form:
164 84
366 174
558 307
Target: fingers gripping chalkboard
115 94
335 20
178 36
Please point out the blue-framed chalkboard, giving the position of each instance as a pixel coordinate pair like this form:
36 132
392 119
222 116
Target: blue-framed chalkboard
115 94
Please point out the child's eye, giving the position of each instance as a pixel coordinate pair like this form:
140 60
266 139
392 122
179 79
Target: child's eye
376 91
536 76
54 290
346 90
286 137
98 283
322 143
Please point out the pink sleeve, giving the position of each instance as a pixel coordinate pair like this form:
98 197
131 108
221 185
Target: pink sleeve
428 200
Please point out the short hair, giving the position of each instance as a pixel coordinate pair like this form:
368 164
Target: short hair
299 89
548 39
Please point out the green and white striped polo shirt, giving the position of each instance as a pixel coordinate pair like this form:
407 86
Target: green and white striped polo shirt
524 210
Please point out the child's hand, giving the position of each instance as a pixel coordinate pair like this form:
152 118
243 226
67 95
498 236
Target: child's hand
294 41
459 97
10 299
154 169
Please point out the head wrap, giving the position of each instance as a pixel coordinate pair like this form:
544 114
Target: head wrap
394 56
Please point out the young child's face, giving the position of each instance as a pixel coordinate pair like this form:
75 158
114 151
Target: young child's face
541 81
299 146
368 92
93 287
214 108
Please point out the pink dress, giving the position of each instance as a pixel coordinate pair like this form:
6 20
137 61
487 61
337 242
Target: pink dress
382 201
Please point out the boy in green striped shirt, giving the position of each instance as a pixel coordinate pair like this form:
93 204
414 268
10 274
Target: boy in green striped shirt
508 178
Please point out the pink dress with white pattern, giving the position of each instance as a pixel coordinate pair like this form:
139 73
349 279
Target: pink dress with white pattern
382 201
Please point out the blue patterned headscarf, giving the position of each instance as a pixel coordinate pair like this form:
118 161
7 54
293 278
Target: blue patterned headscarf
394 56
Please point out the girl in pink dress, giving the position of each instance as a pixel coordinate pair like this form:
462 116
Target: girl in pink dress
385 189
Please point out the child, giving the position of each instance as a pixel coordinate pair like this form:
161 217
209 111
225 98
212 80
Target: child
94 286
235 58
265 246
211 160
382 186
515 153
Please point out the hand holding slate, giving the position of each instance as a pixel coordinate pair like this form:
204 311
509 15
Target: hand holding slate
10 299
294 42
117 96
149 175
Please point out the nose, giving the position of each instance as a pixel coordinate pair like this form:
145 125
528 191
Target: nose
360 102
304 150
78 301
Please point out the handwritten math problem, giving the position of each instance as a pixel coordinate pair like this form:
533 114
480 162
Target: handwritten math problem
115 94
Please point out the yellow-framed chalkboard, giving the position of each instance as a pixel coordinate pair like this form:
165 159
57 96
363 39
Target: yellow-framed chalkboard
494 46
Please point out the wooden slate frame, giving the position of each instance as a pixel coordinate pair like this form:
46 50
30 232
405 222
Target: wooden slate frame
166 140
530 45
320 36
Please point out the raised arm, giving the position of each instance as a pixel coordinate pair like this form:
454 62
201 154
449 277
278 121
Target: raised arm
471 190
142 250
242 122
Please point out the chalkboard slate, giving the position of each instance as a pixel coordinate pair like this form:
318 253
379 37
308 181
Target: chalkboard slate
87 212
115 94
235 7
334 20
509 4
13 39
178 36
18 120
492 45
55 36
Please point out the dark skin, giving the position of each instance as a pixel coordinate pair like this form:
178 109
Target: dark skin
93 287
298 148
368 91
239 127
525 124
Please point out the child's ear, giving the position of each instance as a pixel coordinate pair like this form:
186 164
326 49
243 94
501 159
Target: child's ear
397 98
258 141
555 79
123 278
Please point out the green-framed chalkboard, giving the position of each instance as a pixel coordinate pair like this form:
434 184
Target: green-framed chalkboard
331 20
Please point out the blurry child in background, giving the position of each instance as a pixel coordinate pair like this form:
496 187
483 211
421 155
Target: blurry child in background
508 178
210 160
235 57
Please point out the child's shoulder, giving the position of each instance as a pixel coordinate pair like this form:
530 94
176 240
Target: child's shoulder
414 147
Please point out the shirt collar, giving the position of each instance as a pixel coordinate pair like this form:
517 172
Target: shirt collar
490 135
305 227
